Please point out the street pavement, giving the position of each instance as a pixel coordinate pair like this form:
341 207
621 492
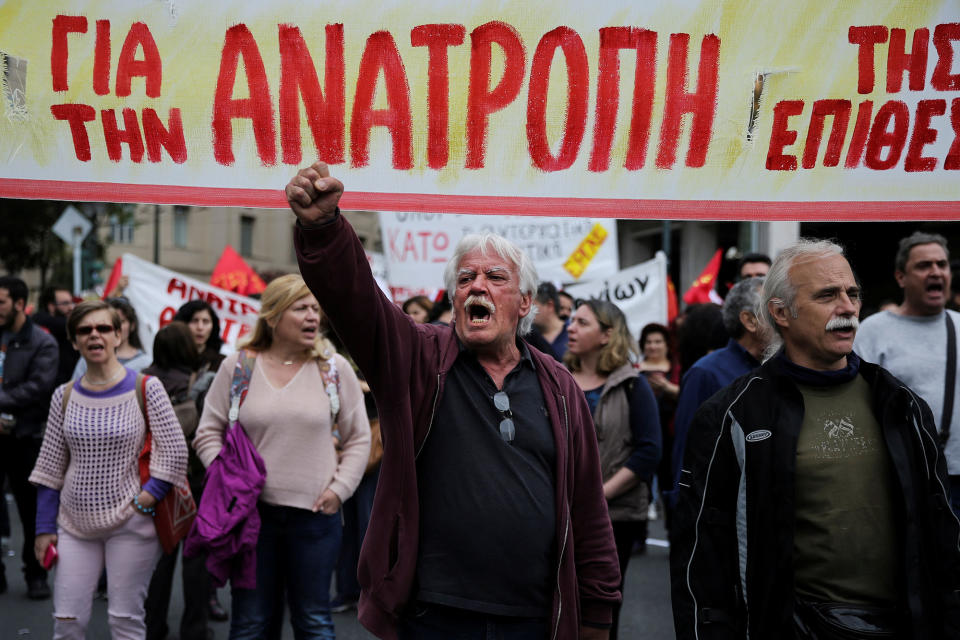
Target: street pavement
646 613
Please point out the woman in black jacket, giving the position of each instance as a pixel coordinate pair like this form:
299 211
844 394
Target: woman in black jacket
175 364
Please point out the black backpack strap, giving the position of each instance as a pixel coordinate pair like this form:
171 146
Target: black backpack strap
950 380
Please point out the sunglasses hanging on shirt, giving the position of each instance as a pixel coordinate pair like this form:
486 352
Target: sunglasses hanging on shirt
507 429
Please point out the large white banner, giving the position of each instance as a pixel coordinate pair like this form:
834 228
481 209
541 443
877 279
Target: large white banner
418 245
640 291
156 293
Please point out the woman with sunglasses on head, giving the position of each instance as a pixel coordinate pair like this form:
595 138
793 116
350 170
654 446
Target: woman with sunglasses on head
130 352
292 406
91 506
625 415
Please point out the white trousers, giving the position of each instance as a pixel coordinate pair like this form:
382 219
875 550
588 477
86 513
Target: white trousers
130 553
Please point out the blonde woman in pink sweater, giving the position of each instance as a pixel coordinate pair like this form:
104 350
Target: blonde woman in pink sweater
290 414
90 504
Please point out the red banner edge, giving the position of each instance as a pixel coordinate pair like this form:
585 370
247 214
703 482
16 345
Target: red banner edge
819 211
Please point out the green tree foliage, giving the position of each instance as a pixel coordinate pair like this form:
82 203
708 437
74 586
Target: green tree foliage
27 240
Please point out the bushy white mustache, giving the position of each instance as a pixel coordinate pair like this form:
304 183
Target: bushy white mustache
480 301
843 323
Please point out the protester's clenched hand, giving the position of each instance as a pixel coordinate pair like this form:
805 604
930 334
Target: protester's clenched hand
328 503
313 194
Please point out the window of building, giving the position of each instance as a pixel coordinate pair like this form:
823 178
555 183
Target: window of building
180 225
246 236
121 231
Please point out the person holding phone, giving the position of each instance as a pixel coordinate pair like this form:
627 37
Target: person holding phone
90 504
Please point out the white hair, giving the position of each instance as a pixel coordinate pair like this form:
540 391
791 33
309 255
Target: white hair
779 291
524 269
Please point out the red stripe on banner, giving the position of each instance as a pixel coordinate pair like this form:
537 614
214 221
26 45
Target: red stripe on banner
832 211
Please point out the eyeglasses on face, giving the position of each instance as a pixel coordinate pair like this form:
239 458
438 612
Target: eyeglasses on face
507 429
102 329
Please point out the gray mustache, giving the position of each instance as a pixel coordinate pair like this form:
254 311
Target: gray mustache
843 323
480 301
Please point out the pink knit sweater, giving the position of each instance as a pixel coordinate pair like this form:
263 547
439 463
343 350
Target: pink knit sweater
90 455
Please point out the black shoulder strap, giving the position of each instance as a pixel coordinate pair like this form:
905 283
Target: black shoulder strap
950 379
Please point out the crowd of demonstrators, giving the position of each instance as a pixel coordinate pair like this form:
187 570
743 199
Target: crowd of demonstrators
28 369
821 487
663 374
91 506
744 349
292 427
814 499
625 415
130 352
176 363
469 415
917 341
418 308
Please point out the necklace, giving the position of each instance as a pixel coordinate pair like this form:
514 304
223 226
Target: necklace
99 383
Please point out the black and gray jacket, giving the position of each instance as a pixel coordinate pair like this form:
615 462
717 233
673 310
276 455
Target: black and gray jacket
29 376
732 549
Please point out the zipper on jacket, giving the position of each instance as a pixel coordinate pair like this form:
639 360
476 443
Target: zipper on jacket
566 530
433 413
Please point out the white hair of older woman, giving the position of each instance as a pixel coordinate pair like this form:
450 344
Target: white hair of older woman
524 269
780 291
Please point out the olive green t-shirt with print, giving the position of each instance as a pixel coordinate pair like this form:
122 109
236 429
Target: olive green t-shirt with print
845 541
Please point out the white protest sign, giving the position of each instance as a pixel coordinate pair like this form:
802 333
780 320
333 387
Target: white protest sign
156 293
378 265
418 245
640 291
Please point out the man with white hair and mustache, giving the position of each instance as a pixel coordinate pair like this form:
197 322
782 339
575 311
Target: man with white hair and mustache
916 340
813 500
489 518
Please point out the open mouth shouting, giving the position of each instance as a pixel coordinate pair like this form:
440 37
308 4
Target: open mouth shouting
934 288
479 310
95 348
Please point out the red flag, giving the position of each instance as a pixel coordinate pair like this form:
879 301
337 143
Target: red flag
702 289
115 274
672 309
234 274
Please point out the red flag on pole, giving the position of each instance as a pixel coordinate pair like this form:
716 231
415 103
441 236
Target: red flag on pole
234 274
702 289
115 274
672 310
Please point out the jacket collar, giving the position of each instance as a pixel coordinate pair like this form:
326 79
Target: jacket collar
23 336
618 376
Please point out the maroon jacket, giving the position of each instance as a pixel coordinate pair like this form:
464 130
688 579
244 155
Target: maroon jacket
405 364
